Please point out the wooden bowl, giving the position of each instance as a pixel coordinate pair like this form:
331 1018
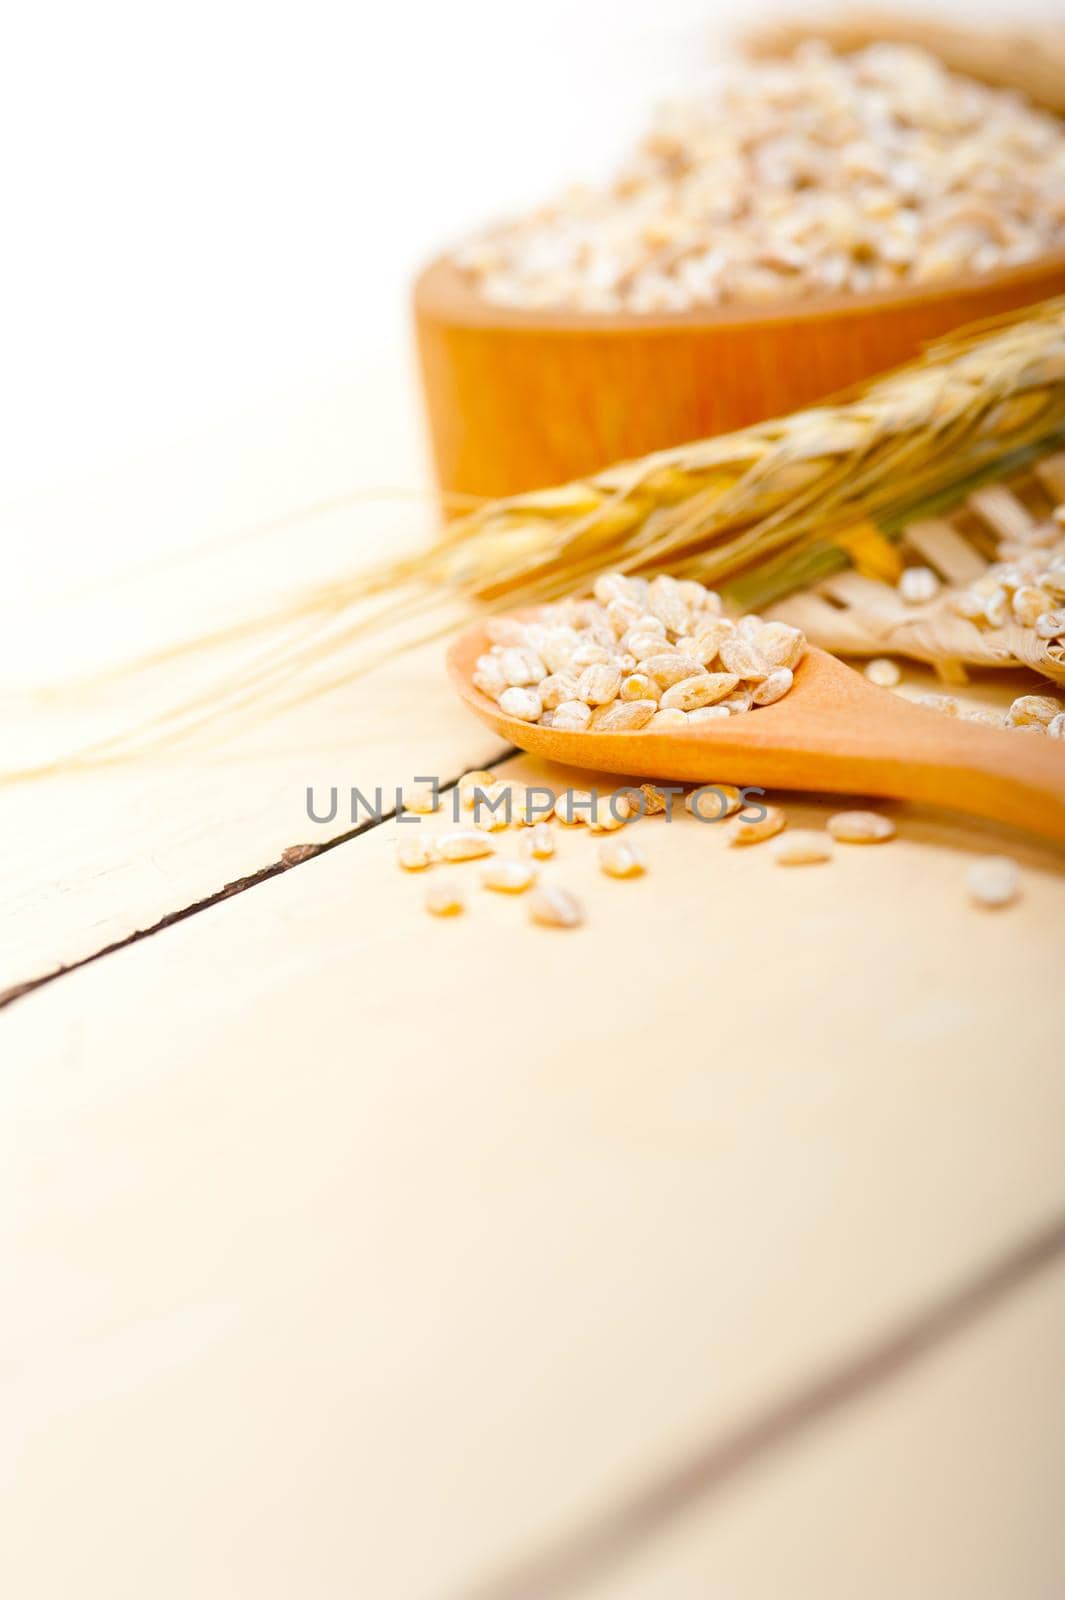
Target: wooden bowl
520 399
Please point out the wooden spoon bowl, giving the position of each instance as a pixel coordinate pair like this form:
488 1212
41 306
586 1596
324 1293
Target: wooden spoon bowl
519 399
833 732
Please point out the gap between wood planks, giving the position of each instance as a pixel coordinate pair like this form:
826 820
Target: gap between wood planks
560 1568
294 856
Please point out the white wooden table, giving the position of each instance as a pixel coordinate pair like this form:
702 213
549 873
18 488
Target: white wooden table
717 1249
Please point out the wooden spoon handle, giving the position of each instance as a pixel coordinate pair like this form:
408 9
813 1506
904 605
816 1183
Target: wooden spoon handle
1006 776
846 735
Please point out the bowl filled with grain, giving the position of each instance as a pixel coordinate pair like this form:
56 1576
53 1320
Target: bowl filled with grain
815 221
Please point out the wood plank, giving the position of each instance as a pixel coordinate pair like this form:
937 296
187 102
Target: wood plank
91 858
160 550
948 1486
359 1251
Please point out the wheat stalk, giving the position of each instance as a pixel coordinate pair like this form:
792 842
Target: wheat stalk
759 509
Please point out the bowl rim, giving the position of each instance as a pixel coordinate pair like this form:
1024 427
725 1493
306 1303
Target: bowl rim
443 293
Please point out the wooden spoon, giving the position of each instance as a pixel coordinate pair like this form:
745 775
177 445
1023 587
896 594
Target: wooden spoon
833 732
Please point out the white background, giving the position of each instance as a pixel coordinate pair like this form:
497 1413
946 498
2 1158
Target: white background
203 203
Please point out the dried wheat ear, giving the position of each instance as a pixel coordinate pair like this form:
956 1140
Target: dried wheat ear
983 587
639 653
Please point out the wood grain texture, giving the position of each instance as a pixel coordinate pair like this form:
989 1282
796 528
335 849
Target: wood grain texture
906 1496
89 859
208 531
359 1252
519 399
834 731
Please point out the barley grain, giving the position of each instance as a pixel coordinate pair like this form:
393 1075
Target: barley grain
558 647
524 704
623 716
702 689
738 655
712 802
772 688
421 798
574 807
780 644
589 653
470 782
572 716
611 813
944 703
598 684
1028 604
554 907
708 638
968 604
801 847
488 676
642 645
556 689
667 603
464 844
521 667
993 881
1040 709
639 686
540 842
757 829
611 586
709 714
670 668
622 614
981 714
444 899
1053 575
997 608
508 877
739 703
414 855
860 827
622 858
918 585
883 672
525 808
655 802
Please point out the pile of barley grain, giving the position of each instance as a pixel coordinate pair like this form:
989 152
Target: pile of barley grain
821 174
643 653
1023 588
1025 585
